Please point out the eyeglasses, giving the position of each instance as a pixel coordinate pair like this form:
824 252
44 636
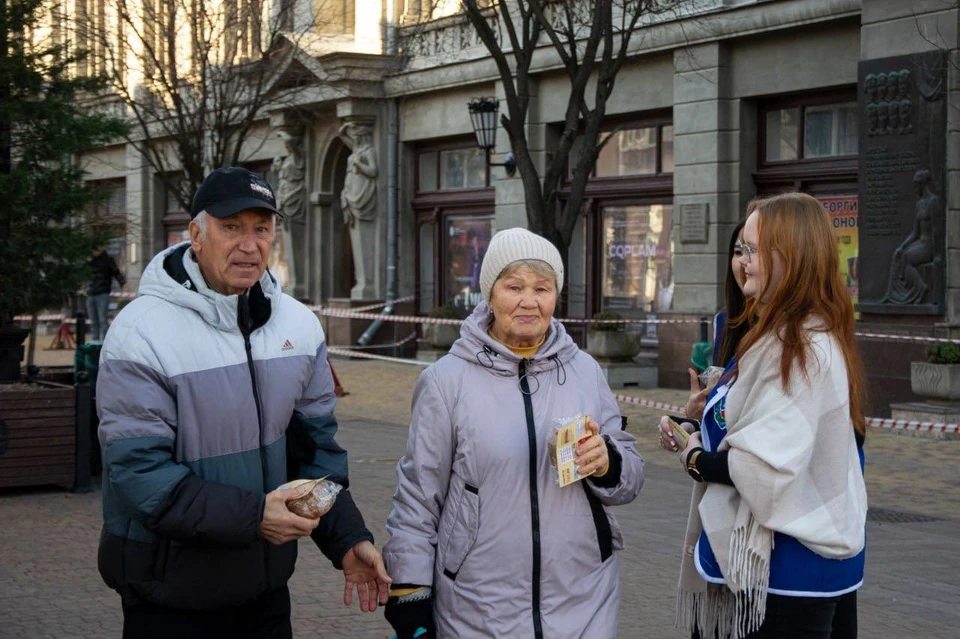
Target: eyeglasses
746 250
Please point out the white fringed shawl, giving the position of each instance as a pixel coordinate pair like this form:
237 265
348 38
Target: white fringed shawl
795 469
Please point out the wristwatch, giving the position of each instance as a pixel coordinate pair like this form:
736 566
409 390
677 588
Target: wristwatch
692 464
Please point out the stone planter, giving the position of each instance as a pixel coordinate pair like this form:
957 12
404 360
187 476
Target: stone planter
613 345
935 381
441 335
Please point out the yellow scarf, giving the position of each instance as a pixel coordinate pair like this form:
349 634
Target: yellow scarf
525 352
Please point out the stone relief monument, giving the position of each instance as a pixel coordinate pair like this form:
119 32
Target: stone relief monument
358 200
902 113
290 169
908 285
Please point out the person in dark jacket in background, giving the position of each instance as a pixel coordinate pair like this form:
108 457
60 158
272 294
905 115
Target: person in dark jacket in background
103 270
214 390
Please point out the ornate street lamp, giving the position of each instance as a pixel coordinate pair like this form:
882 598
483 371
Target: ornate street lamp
483 116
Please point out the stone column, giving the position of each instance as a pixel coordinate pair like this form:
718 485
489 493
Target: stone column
143 226
706 203
511 208
706 178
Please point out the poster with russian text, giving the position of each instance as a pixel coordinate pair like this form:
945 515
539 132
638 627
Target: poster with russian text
844 215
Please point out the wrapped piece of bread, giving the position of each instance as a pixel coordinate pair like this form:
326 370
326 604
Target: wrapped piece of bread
316 498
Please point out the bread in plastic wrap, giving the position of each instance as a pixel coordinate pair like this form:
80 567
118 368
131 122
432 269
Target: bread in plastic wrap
317 498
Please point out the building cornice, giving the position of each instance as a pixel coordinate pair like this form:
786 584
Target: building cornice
720 23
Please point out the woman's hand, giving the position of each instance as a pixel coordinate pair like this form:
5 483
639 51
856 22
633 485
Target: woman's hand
692 443
592 456
698 397
667 440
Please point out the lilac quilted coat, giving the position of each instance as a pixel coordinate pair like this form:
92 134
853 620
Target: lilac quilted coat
478 512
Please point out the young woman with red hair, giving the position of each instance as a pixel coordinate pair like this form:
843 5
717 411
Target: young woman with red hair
775 536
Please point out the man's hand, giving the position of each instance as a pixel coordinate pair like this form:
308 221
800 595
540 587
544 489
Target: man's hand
363 567
279 525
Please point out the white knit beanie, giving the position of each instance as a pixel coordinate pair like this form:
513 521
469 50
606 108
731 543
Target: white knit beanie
511 245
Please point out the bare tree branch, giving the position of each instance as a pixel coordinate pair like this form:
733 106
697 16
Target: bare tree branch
196 107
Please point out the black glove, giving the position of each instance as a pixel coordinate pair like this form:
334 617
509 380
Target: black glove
407 617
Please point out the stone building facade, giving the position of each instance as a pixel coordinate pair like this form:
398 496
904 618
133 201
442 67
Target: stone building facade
742 98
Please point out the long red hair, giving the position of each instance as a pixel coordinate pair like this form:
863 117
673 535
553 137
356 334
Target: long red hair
796 226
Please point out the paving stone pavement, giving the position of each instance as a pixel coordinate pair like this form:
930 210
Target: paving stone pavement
49 586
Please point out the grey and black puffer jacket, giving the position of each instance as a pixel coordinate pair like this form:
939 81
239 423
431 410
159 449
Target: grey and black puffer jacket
206 403
478 512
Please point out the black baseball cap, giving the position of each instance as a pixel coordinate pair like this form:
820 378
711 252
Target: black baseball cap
228 191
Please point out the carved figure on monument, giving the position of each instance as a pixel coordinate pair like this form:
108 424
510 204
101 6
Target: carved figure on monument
893 118
930 83
872 118
892 82
881 86
903 84
290 169
882 118
870 86
906 111
907 284
359 203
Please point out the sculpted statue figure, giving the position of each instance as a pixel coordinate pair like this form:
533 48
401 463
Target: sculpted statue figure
359 203
907 285
359 196
290 169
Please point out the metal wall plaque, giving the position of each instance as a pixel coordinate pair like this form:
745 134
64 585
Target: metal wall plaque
902 135
693 223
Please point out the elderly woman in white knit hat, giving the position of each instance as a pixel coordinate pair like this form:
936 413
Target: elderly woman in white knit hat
484 540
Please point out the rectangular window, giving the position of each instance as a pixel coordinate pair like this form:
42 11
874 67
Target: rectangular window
463 169
451 170
427 171
830 130
629 152
782 134
465 238
637 259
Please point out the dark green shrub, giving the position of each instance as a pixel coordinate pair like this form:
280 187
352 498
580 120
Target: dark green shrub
944 354
606 325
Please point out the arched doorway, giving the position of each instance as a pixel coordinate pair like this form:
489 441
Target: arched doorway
336 257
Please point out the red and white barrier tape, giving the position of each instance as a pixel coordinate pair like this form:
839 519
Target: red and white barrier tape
362 313
406 319
909 338
320 308
373 347
903 424
346 352
649 403
875 422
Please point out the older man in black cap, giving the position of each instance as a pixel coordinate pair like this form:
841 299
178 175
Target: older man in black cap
214 390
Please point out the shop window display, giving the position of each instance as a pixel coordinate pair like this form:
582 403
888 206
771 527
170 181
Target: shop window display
637 259
465 243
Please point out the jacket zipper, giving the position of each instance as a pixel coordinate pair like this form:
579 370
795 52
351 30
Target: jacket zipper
534 497
243 318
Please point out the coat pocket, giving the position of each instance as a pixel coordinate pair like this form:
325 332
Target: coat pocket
463 533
